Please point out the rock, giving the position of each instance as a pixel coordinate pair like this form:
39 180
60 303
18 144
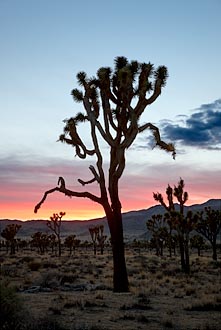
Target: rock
33 289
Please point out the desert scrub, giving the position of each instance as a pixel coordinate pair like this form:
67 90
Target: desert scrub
26 259
45 324
167 324
12 313
205 304
34 265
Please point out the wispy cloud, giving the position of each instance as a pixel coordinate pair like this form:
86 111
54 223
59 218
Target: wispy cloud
201 129
19 177
23 184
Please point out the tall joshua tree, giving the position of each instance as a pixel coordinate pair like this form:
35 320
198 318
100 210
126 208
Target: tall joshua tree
113 115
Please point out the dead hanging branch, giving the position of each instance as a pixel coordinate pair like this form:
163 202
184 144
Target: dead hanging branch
66 192
156 133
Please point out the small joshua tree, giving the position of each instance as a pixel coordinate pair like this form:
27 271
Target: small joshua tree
209 225
98 238
55 225
157 226
198 242
94 231
180 222
9 234
70 242
41 241
101 238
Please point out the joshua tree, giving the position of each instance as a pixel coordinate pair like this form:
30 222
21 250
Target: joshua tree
70 242
9 234
101 238
113 102
52 242
180 222
41 241
55 225
197 241
157 226
94 231
209 225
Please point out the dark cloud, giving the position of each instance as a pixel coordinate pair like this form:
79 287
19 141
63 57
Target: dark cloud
201 129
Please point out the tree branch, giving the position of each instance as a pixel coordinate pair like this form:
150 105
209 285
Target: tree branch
143 102
163 145
95 178
95 122
69 193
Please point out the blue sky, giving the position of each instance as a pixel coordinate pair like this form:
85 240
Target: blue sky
45 43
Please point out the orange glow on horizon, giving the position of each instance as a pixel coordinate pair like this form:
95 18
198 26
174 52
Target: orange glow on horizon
25 211
76 209
19 204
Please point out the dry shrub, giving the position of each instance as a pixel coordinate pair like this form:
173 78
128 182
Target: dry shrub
10 308
206 303
168 324
34 265
26 259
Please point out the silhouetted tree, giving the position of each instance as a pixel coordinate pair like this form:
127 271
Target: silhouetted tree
70 242
197 242
157 226
41 241
180 222
101 238
9 233
209 225
52 242
55 225
94 231
114 92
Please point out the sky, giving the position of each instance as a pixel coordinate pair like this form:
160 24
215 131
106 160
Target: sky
44 44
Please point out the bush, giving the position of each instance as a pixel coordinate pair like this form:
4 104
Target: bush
14 316
34 265
11 309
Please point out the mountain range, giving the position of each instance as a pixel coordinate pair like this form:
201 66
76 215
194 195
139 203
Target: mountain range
134 222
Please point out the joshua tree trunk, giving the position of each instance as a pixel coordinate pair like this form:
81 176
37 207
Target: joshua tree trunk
12 247
59 246
120 279
182 257
114 217
170 242
214 250
187 258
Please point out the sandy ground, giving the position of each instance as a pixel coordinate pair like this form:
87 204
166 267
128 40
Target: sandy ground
76 290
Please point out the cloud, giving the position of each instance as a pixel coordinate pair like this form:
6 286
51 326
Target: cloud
23 184
17 175
201 129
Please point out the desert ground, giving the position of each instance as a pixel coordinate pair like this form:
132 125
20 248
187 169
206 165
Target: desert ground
75 292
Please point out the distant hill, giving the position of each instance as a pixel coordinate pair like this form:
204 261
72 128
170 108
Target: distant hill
134 222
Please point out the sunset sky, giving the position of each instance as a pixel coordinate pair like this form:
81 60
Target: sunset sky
45 43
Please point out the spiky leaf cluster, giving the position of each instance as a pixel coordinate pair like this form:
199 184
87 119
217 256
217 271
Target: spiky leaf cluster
77 95
113 90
